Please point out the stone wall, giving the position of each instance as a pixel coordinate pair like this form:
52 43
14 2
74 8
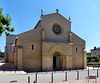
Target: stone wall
31 59
78 51
11 58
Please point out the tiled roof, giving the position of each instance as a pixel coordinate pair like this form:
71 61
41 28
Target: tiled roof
96 49
57 41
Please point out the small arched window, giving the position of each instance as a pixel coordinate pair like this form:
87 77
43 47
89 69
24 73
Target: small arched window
32 47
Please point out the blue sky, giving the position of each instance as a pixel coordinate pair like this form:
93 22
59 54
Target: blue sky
85 17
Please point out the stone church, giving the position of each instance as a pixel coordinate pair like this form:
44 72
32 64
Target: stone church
50 45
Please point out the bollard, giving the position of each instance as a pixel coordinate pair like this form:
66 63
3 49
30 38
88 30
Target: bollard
93 67
76 68
65 76
97 73
77 75
62 69
46 69
70 69
15 70
28 79
55 70
37 72
36 78
51 77
4 70
88 71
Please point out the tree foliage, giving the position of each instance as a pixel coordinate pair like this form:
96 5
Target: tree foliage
96 57
5 22
2 55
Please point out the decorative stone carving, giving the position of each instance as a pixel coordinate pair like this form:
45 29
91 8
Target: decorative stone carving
56 29
42 12
69 18
57 10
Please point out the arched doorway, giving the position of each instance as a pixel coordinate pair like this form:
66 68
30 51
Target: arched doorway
56 61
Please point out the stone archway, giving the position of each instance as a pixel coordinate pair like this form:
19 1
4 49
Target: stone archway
56 61
57 53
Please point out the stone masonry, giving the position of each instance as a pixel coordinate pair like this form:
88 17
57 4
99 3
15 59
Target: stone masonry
50 45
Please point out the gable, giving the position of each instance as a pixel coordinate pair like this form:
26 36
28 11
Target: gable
56 14
47 22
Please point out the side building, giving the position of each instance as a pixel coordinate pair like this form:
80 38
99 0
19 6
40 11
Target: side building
95 51
9 48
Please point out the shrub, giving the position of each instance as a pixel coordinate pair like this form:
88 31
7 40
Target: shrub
96 57
2 55
93 63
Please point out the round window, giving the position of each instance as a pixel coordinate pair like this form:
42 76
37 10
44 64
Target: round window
56 29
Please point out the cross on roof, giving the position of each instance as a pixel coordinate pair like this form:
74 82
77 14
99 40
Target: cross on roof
57 10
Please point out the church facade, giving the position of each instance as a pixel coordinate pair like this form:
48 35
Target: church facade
50 45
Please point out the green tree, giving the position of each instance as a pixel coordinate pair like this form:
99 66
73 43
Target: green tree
5 22
2 55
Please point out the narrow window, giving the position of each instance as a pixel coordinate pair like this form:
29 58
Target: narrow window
76 49
32 47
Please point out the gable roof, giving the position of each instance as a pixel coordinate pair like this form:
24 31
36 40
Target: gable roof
78 36
37 24
40 21
58 14
95 49
32 29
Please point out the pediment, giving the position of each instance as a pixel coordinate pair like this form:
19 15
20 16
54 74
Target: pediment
56 14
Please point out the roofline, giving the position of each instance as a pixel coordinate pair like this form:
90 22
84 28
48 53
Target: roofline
37 24
12 35
30 30
59 14
40 21
95 49
78 36
24 32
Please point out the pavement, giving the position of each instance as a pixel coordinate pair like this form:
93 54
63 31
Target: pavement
12 72
24 79
43 77
9 68
80 81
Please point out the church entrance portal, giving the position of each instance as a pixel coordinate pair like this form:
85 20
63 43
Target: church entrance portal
56 61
